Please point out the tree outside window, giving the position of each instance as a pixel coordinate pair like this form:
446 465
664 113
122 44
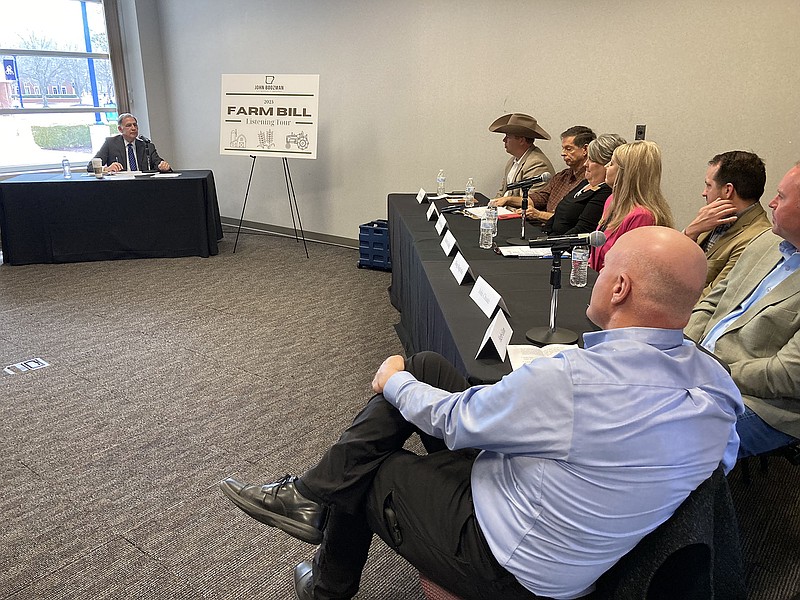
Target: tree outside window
57 96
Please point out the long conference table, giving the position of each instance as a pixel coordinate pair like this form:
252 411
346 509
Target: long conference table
436 313
45 218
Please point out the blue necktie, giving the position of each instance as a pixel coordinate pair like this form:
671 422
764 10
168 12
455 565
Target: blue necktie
131 158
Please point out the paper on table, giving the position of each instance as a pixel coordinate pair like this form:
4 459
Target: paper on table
526 252
522 354
167 175
479 211
123 174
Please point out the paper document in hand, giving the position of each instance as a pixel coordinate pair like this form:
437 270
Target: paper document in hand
521 354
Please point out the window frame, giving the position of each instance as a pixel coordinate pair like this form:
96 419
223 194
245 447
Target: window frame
115 58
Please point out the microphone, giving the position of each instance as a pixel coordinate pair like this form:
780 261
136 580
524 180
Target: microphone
594 239
144 139
526 183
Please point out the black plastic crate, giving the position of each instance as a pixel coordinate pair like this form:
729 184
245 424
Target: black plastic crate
373 245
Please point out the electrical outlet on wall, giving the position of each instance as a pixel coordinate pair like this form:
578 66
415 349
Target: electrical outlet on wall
640 129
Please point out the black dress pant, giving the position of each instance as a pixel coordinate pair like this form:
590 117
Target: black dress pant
421 506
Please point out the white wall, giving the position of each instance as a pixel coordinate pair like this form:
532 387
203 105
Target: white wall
409 87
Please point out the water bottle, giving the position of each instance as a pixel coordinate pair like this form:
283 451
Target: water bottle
66 168
440 179
486 233
469 193
491 214
580 264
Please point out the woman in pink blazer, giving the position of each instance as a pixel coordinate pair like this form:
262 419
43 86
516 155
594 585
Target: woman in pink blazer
634 175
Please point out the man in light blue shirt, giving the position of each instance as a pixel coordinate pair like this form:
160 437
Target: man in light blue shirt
580 455
751 322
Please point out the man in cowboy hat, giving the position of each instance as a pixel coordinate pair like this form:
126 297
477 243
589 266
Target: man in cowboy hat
526 159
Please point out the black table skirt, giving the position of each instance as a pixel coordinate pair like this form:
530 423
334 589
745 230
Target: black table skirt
48 219
437 314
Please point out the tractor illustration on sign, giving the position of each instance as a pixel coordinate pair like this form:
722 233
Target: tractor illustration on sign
300 140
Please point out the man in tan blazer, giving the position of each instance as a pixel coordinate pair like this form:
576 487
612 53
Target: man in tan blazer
527 160
751 321
732 215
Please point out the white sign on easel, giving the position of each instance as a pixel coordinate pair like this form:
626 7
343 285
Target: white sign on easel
269 115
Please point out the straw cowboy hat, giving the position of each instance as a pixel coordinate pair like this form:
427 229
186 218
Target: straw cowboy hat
519 124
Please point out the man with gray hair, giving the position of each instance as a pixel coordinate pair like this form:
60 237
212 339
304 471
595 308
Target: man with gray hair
128 151
574 150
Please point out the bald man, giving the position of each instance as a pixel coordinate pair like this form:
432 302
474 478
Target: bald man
539 483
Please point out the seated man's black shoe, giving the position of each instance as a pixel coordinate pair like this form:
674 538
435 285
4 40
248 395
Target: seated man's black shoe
281 505
303 581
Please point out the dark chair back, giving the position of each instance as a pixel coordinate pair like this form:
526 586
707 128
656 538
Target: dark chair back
694 555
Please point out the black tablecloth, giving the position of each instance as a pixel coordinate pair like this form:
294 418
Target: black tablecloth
48 219
437 314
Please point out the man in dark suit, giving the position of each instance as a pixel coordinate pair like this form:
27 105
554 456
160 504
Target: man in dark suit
129 152
751 321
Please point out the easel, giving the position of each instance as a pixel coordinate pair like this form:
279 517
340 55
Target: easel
293 208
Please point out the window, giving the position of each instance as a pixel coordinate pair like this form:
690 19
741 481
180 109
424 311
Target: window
57 95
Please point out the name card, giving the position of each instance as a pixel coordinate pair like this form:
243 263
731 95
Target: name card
441 223
495 340
460 269
448 243
432 211
421 196
486 297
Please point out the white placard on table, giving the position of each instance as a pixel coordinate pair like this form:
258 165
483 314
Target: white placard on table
460 269
448 243
495 340
420 196
432 211
486 297
441 223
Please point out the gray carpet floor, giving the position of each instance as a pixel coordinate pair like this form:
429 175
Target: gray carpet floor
166 376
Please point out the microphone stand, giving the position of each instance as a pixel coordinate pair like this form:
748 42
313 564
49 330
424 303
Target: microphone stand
147 153
521 240
553 334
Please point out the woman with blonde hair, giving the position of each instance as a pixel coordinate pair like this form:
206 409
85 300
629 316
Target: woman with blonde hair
634 175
